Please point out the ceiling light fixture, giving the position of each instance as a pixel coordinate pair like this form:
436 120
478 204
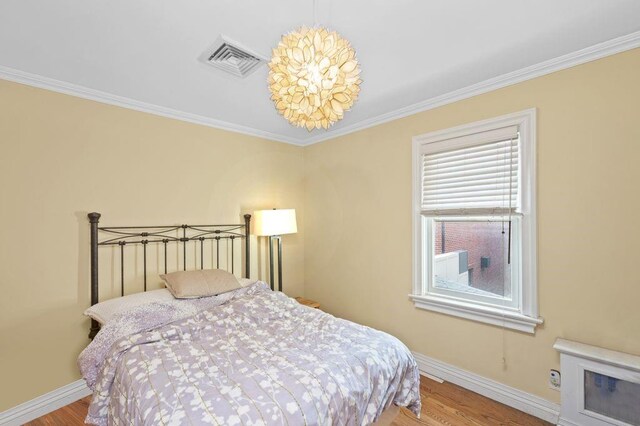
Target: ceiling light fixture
314 77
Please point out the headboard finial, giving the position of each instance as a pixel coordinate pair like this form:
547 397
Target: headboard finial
94 217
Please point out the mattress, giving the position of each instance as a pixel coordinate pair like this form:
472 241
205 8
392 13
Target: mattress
251 356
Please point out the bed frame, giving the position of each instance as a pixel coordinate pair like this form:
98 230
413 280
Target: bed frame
164 234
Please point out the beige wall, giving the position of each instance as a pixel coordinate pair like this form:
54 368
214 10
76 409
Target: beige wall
62 157
358 224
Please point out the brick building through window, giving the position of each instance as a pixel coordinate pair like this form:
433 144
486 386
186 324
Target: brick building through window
486 244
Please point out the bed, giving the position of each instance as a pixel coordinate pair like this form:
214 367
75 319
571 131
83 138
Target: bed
248 356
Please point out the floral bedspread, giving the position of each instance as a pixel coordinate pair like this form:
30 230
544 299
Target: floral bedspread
251 356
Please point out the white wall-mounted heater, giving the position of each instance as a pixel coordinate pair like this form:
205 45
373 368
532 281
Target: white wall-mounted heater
600 387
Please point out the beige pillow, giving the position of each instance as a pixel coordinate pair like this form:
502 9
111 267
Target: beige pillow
206 282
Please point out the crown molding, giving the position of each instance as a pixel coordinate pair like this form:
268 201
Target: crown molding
67 88
591 53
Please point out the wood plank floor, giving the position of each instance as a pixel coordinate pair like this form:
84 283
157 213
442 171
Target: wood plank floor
448 404
442 404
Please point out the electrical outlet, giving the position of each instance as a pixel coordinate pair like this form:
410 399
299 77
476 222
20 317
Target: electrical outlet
554 379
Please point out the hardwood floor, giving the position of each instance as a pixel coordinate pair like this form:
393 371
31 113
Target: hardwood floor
442 404
448 404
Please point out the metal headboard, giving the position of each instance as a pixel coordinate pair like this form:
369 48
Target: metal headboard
122 236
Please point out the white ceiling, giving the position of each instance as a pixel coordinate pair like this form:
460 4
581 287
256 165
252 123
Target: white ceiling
410 50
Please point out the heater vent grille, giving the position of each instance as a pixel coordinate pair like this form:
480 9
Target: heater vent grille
231 57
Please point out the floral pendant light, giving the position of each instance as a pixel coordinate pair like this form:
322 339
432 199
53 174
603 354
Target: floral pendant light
314 77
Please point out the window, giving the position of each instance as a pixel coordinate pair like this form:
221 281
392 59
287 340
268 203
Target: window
474 222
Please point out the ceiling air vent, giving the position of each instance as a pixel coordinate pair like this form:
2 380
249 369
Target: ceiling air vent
232 57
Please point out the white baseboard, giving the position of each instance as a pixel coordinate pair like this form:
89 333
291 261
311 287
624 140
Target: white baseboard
523 401
44 404
565 422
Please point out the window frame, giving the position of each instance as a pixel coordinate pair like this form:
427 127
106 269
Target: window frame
525 317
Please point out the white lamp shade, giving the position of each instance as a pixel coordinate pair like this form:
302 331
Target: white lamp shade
275 222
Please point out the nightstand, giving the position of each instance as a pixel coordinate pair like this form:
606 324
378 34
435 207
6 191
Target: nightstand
308 302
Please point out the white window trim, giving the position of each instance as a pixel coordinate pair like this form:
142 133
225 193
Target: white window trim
527 319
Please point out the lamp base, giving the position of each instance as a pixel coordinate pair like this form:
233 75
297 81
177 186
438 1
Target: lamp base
278 238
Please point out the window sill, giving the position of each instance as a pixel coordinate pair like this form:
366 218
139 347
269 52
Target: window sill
485 314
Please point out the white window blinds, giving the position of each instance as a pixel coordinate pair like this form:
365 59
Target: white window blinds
475 174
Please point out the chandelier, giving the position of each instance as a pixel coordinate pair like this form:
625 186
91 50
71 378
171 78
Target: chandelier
314 77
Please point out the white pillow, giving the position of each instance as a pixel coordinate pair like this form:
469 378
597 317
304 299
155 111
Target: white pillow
103 311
